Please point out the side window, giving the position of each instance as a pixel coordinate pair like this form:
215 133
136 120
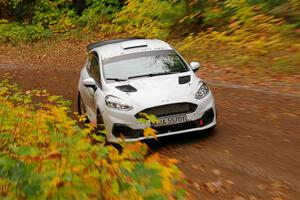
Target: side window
88 62
94 67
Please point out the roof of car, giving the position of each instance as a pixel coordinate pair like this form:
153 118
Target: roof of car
116 47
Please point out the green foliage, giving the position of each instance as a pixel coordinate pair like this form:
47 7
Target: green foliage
156 18
54 15
12 3
16 32
45 155
45 18
260 33
150 18
250 38
98 13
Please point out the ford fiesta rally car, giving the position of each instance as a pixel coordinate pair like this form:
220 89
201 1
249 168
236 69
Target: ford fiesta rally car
125 77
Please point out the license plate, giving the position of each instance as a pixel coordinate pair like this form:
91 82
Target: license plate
170 120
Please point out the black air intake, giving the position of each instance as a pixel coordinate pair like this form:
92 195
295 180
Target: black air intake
126 88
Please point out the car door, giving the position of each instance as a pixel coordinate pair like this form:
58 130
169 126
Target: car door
88 94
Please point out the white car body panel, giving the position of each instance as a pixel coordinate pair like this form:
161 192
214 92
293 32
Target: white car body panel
151 92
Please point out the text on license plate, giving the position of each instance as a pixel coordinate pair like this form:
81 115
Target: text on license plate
170 120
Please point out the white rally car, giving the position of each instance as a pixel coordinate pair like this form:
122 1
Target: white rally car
125 77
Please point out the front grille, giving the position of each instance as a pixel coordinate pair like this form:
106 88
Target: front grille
170 109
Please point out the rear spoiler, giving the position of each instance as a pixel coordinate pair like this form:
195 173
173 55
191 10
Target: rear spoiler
102 43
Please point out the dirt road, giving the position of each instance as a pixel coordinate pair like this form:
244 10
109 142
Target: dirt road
254 153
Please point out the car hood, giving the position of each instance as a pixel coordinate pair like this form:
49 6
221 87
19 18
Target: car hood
158 90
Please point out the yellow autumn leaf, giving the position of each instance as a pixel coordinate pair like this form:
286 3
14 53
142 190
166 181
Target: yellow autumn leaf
154 157
129 166
173 161
55 181
82 118
150 132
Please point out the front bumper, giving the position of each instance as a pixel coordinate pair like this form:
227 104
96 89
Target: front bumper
125 125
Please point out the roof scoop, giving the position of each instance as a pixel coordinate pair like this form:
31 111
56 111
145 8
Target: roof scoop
133 44
126 88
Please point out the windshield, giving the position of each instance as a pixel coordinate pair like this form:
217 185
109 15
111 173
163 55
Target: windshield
143 64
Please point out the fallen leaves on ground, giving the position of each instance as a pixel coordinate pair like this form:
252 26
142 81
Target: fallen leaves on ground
218 186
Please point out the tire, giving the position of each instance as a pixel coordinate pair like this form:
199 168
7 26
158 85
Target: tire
81 107
101 127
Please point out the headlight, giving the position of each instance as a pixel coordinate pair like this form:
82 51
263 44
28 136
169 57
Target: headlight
202 90
116 103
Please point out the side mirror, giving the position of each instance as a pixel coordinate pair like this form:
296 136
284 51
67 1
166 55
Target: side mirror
195 66
90 82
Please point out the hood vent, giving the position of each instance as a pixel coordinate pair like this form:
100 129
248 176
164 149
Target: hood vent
126 88
184 79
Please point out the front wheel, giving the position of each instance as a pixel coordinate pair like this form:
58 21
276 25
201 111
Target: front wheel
100 131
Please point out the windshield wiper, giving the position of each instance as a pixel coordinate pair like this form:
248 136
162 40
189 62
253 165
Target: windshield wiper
152 74
116 79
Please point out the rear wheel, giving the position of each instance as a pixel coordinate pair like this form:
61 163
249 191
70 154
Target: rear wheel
81 107
100 124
